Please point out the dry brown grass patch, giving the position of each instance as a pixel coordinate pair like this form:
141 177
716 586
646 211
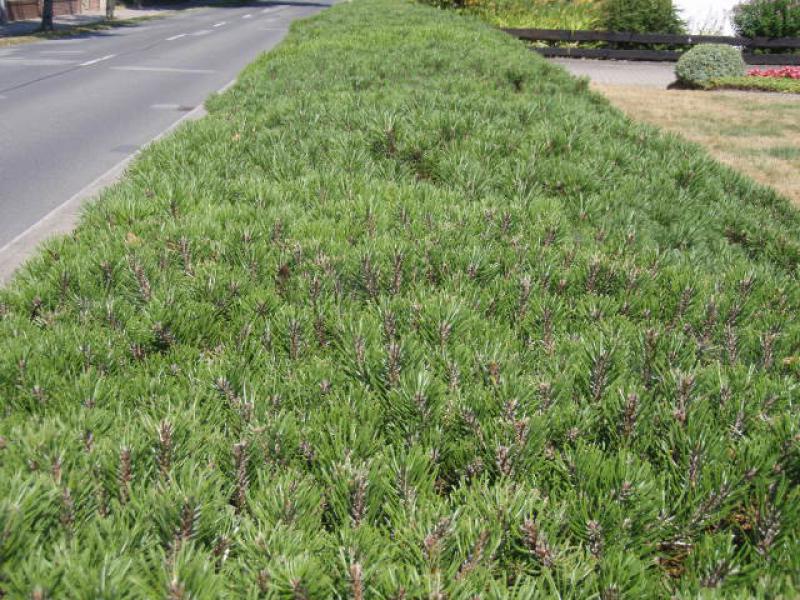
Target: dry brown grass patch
757 134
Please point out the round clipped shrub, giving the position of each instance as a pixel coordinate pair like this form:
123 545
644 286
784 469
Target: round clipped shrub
709 61
767 18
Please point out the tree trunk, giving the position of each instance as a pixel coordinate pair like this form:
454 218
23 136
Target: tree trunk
110 9
47 15
3 15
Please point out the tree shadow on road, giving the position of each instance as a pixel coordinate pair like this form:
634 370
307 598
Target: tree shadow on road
221 4
103 27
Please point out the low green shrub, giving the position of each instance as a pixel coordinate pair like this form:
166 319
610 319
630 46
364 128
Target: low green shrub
764 84
536 14
767 18
641 16
709 61
409 314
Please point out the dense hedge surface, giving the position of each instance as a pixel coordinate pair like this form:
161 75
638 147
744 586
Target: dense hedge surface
642 16
763 84
767 18
410 314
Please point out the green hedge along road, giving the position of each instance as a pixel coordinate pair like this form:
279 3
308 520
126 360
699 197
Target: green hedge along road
411 314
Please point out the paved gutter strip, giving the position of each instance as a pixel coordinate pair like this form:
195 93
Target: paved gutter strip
162 70
64 218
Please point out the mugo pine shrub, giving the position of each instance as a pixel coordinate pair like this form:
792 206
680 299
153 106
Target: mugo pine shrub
410 314
767 18
705 62
641 16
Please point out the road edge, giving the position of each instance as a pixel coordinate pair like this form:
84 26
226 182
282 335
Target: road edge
63 219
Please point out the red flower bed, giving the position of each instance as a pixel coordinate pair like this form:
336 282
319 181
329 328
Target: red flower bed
782 73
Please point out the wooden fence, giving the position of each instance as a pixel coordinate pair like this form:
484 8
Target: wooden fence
789 45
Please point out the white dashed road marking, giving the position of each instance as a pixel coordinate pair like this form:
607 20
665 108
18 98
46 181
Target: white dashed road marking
220 24
176 37
163 70
248 16
202 32
96 60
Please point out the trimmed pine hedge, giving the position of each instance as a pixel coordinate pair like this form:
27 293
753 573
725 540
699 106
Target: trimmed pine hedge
411 314
760 84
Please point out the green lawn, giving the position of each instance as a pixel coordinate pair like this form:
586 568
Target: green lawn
411 314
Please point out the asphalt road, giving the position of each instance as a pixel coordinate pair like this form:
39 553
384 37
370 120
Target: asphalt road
72 109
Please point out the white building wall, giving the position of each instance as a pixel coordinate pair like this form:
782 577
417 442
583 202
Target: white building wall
708 16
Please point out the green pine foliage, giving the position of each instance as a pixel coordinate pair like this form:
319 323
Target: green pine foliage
642 16
411 314
767 18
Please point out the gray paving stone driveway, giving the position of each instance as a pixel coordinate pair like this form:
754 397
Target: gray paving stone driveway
624 72
621 72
